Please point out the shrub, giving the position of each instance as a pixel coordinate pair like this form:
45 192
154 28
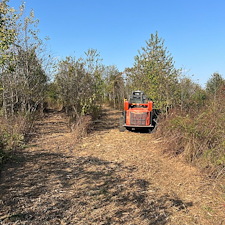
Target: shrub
12 134
199 137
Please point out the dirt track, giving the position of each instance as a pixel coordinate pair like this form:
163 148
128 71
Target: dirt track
106 178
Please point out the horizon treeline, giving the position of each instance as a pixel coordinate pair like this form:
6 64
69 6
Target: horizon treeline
81 85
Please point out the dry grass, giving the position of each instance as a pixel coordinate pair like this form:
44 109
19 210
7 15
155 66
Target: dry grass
107 177
13 132
81 128
199 138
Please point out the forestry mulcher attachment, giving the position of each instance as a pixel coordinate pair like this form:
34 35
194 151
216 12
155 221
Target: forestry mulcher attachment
138 113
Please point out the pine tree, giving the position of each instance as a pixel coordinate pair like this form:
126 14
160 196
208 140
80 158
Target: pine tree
215 83
154 72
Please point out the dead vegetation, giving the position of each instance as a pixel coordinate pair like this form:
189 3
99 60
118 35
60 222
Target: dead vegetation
198 136
107 177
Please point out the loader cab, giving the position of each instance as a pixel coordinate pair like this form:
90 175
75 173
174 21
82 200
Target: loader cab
138 97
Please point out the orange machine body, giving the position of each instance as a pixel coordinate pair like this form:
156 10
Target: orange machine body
138 115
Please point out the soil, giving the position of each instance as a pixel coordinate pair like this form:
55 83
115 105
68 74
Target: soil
107 177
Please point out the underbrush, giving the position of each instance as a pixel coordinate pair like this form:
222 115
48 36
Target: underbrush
13 132
199 137
81 127
84 124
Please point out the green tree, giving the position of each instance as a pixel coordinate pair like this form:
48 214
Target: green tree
94 68
192 96
214 84
114 86
22 76
8 19
80 84
154 72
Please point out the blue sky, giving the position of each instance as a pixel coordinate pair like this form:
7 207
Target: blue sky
193 30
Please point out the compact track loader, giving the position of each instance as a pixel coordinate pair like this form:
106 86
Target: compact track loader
138 113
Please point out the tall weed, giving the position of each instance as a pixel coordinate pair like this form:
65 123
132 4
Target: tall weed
198 137
12 134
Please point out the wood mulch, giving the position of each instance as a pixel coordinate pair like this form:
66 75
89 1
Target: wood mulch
107 177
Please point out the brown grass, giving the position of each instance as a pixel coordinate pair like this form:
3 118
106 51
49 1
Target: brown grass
199 138
107 177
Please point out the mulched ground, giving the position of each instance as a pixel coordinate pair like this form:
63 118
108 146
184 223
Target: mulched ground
108 177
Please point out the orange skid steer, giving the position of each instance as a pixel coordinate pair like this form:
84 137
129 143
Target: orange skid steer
138 113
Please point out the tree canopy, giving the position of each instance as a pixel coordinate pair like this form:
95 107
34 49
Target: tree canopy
154 72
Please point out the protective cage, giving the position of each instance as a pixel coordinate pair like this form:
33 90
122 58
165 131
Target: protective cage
138 119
